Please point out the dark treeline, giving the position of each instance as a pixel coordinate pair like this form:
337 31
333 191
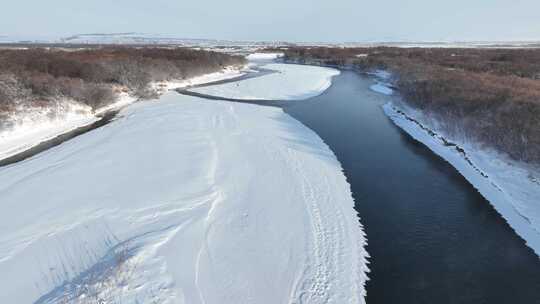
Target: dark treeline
489 95
38 76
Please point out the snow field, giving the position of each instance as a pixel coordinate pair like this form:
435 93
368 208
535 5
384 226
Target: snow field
184 201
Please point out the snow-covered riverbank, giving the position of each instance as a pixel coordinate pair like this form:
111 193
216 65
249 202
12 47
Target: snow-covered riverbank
35 125
226 73
512 188
183 201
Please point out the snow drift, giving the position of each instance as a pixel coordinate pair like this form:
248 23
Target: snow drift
183 201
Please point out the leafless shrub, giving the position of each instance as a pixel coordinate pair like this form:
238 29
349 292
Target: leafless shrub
97 95
88 76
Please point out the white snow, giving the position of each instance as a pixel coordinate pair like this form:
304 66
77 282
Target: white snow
263 56
382 75
289 82
183 201
34 126
512 188
382 82
123 99
226 73
381 88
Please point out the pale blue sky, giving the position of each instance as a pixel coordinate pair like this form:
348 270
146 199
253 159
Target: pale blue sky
292 20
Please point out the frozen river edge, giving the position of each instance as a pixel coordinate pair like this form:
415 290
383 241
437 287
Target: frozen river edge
510 187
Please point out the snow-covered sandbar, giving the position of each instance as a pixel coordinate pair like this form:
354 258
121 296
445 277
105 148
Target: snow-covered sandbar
182 201
289 82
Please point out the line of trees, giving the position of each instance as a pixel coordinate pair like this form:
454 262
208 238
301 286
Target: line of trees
34 77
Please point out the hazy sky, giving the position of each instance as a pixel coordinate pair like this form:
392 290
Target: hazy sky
292 20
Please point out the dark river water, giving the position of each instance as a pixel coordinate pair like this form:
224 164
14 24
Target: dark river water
431 236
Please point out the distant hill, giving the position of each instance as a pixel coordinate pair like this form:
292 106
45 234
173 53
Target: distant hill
134 38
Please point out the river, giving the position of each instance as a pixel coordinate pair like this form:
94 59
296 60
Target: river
431 236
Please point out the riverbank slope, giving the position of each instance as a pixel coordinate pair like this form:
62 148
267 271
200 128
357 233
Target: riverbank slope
45 93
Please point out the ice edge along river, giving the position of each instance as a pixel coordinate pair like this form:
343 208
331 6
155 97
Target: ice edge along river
511 187
183 201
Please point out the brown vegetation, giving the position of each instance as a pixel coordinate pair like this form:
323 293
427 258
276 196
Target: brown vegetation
90 76
489 95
